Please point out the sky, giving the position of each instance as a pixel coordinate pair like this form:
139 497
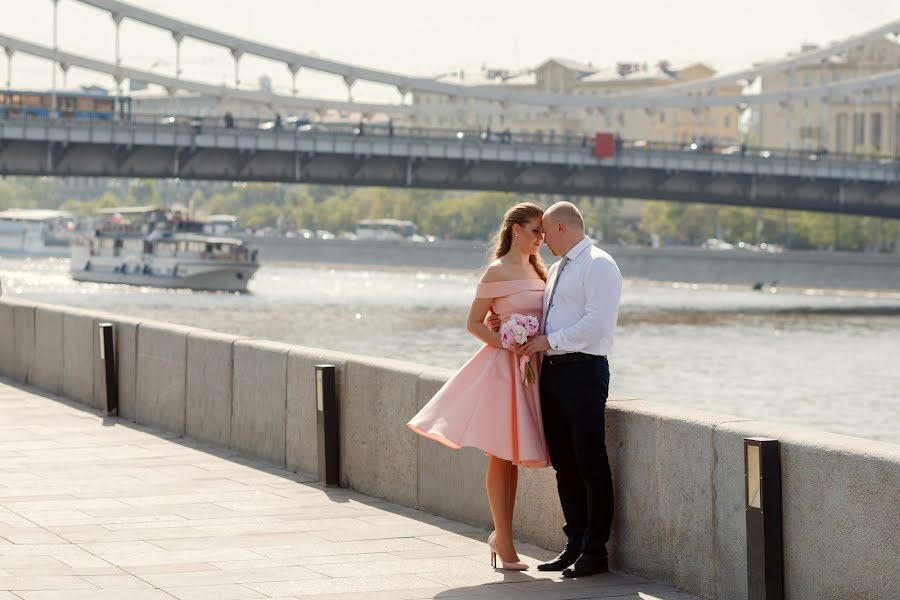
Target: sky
430 38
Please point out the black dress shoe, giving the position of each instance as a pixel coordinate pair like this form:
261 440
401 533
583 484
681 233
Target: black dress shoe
563 561
587 564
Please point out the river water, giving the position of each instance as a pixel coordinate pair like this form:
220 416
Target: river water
825 359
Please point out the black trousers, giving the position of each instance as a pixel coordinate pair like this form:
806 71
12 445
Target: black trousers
573 402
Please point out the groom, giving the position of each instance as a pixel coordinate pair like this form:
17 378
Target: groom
581 305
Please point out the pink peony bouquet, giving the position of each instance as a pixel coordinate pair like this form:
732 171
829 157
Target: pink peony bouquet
515 331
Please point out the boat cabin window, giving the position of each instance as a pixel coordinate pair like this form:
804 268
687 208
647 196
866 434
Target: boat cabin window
195 247
221 251
166 248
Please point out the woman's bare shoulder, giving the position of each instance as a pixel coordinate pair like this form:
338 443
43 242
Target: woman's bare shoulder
496 271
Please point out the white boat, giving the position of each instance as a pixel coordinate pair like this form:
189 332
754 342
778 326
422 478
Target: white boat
174 254
385 229
33 231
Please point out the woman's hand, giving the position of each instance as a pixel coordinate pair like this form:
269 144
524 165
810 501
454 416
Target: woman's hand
493 322
539 343
476 322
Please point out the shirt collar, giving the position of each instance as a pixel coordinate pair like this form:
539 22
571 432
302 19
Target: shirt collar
578 248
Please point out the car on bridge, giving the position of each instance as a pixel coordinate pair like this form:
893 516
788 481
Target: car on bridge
298 123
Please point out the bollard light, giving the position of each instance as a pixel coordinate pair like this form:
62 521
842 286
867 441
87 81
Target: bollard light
328 425
108 356
765 559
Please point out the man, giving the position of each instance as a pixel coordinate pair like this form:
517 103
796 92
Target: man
581 305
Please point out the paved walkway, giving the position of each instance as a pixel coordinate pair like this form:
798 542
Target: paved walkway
94 508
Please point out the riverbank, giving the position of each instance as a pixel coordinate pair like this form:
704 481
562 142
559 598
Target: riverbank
794 269
767 288
829 270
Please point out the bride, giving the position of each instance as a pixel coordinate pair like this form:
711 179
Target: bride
486 404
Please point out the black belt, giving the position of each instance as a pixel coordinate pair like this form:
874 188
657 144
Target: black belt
569 357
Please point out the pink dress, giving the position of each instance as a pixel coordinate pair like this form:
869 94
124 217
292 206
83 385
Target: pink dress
486 404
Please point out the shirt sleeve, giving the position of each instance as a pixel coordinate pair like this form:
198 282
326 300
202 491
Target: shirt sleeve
602 290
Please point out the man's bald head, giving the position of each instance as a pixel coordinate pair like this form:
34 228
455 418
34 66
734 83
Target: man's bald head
565 212
563 227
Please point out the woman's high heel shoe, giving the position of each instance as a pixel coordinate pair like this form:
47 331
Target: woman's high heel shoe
513 566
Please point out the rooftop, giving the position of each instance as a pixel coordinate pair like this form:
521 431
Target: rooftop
573 65
489 77
129 210
34 214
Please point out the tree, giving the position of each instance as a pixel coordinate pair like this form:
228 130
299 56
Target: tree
9 196
260 216
90 207
144 193
470 215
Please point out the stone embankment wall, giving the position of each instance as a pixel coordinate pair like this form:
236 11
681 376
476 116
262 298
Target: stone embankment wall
678 473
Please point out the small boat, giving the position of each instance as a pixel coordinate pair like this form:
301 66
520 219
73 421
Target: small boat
35 231
152 249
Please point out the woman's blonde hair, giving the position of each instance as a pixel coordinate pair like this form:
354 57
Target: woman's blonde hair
502 241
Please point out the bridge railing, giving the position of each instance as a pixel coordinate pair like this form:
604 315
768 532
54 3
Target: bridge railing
206 124
744 150
572 142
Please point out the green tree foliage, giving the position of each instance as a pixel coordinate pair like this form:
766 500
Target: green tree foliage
145 193
89 207
261 215
466 215
10 196
691 224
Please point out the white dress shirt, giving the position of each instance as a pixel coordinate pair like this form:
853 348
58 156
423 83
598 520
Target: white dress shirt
586 305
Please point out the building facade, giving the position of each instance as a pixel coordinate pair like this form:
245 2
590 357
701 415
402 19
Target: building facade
561 76
864 123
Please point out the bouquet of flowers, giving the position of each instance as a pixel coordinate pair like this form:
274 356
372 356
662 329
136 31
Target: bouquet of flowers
515 331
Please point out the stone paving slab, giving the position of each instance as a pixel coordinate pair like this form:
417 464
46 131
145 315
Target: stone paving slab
98 508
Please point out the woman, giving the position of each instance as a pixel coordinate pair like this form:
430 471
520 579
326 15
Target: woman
486 404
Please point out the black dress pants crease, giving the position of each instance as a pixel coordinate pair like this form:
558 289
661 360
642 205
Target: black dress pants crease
573 402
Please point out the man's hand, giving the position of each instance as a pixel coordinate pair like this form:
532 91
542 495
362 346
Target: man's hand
538 343
493 322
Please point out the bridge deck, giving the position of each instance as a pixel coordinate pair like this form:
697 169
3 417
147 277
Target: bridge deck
91 507
335 154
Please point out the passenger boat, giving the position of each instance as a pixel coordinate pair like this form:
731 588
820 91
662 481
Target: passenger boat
147 246
34 231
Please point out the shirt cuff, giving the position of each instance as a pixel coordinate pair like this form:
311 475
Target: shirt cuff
554 340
